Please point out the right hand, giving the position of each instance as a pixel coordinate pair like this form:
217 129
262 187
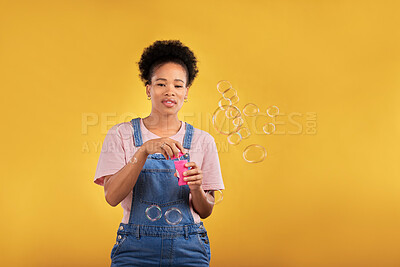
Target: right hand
165 145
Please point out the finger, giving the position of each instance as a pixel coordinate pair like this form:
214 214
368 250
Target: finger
191 164
193 178
164 154
167 150
192 172
198 182
171 143
175 149
180 147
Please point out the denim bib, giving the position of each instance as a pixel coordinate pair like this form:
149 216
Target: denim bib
157 185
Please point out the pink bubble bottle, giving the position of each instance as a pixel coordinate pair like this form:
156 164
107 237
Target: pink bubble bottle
181 168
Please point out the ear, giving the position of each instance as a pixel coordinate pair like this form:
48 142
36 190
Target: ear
187 92
148 90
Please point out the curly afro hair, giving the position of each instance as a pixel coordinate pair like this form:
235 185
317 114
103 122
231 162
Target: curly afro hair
165 51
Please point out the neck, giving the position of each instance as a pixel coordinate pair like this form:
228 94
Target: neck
162 123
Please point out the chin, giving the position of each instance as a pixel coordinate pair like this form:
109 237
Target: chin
168 111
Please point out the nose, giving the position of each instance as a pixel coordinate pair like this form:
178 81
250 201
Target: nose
170 90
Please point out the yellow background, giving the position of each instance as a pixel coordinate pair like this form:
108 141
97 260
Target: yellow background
329 198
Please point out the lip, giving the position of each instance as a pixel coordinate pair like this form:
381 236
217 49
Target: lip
169 99
169 102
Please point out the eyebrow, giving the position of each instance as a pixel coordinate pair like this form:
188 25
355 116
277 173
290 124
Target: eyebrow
166 79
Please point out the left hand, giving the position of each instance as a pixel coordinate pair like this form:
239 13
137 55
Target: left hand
193 177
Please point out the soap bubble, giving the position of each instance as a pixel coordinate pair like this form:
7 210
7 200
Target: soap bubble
232 112
153 213
224 102
269 128
272 111
244 132
229 93
214 196
254 153
223 85
250 110
221 123
238 121
234 138
173 216
234 99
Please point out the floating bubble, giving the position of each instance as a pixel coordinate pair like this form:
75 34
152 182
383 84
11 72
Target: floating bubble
269 128
244 132
224 102
222 123
229 93
153 213
250 110
232 112
214 196
223 85
234 138
173 216
238 121
234 99
272 111
254 153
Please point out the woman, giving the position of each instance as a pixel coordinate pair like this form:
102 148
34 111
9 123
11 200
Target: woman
161 224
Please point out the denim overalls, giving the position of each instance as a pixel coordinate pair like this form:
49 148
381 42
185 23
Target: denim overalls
159 240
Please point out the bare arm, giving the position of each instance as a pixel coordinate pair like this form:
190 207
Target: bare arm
200 203
118 186
194 178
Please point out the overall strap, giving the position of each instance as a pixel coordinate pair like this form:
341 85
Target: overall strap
137 133
187 140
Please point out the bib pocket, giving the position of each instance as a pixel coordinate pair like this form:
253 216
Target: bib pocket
152 181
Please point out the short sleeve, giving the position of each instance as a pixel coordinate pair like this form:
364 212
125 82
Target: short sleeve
112 155
212 177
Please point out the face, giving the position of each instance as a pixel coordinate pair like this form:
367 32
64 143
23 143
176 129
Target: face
168 88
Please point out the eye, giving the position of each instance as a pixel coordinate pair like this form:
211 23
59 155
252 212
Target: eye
160 84
178 86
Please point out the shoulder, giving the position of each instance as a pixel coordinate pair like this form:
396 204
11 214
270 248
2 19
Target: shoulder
119 133
202 139
121 128
202 135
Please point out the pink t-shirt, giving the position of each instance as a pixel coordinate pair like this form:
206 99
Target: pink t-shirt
118 148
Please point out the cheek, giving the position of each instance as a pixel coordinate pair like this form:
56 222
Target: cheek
182 94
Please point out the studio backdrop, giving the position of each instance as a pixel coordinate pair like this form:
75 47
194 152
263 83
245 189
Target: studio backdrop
321 83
